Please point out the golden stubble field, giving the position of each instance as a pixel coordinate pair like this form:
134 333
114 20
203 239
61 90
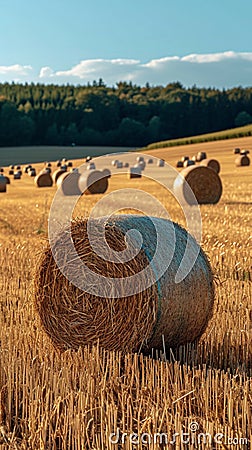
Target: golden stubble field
75 400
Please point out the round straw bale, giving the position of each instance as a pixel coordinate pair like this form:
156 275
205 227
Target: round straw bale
64 160
114 162
91 166
212 164
135 172
11 167
140 158
184 158
58 164
18 167
64 167
160 163
93 182
126 165
26 169
68 182
70 164
88 158
11 172
244 152
142 164
43 179
107 173
32 172
48 169
1 170
20 172
194 158
189 163
165 312
150 161
179 164
3 183
119 165
204 182
201 156
237 151
17 176
7 180
56 174
242 160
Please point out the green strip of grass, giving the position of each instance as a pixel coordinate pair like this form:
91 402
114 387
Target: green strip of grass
217 136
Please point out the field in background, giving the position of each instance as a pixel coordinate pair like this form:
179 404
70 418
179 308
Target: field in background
217 136
26 155
76 399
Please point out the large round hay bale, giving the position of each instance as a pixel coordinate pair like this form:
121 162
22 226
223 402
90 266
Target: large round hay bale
164 312
3 183
43 179
205 183
68 182
201 156
212 164
56 174
93 182
188 163
135 172
242 160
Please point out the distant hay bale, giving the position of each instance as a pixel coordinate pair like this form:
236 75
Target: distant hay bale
244 152
91 166
47 164
43 179
107 173
150 161
179 164
237 151
69 164
48 169
126 165
142 164
242 160
189 163
3 183
114 162
56 174
64 160
194 158
11 172
93 182
140 159
164 313
11 167
68 182
204 182
88 158
58 163
20 172
212 164
1 170
7 179
26 169
17 176
18 167
63 167
135 172
184 158
161 163
32 172
200 156
119 165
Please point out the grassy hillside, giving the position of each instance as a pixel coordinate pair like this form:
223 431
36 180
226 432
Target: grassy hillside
220 135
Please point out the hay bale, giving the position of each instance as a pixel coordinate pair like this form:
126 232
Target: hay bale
18 167
68 182
188 163
142 164
93 182
27 168
58 164
70 164
114 162
48 164
64 167
56 174
119 165
236 151
107 173
7 179
175 313
32 172
3 183
242 160
179 164
126 165
194 158
88 158
212 164
140 159
135 172
48 169
11 172
150 161
43 179
91 166
11 167
161 163
64 160
200 156
184 158
204 182
244 152
1 170
17 176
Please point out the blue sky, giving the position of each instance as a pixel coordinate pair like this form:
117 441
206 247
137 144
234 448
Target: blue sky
140 40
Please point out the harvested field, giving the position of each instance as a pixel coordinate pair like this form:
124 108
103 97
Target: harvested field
77 399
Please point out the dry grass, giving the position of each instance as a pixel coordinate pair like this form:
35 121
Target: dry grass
74 400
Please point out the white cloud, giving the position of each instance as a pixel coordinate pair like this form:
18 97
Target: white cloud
223 69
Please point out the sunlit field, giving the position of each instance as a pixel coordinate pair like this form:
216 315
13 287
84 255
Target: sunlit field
199 395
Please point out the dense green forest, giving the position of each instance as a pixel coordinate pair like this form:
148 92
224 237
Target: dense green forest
123 115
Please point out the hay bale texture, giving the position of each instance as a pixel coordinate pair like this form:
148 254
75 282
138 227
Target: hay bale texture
205 183
68 182
94 182
242 160
212 164
43 179
177 313
56 174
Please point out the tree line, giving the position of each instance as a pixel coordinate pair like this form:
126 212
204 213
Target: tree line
122 115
